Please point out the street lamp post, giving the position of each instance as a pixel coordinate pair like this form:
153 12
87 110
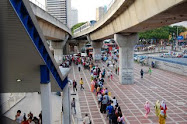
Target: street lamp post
177 37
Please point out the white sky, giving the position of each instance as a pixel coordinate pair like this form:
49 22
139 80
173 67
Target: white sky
86 8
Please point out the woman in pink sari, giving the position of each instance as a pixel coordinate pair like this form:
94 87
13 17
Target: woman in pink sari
147 108
92 86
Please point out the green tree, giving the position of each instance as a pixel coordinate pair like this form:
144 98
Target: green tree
161 33
77 26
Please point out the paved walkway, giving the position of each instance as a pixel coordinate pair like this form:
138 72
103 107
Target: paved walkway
161 85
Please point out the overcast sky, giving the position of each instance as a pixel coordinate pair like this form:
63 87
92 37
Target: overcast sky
86 8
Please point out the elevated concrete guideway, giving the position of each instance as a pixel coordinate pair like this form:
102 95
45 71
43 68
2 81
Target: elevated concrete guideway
51 27
53 30
129 16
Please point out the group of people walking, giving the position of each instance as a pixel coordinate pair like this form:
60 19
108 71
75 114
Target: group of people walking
160 110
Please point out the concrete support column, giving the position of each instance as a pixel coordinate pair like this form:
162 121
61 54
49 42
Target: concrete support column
45 88
80 46
66 105
97 45
126 54
66 49
58 51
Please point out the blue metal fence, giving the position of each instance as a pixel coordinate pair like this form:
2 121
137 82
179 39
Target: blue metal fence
170 61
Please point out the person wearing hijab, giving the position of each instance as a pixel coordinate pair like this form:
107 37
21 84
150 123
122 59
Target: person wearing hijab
157 108
162 119
147 108
163 107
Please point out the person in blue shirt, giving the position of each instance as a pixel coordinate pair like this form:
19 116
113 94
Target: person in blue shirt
110 110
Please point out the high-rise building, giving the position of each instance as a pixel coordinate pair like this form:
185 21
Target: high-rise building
74 17
100 11
60 9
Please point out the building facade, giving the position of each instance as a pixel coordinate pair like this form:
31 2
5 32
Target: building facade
74 17
100 11
60 9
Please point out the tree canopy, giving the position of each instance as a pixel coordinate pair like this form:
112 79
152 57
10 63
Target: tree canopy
76 26
161 33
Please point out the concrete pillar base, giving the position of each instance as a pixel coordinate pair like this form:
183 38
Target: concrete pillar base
58 51
126 55
97 49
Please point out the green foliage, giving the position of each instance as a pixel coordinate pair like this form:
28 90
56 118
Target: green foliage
76 26
161 33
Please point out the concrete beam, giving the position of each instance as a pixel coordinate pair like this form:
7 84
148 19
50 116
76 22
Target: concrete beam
51 27
126 17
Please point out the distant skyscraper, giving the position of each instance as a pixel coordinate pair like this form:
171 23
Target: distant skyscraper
60 9
74 17
100 11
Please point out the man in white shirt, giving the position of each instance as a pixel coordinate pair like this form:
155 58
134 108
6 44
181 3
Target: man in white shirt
18 117
86 119
114 101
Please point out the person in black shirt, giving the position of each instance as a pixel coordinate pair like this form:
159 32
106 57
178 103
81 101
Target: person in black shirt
74 85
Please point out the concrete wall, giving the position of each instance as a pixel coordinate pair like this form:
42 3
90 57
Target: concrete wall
172 67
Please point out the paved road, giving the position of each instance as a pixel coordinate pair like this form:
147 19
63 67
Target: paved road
161 85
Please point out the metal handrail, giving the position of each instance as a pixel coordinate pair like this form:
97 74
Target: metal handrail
12 99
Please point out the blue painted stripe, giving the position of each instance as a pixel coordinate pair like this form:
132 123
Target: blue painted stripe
30 28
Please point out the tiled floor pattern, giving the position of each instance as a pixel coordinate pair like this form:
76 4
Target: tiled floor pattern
161 85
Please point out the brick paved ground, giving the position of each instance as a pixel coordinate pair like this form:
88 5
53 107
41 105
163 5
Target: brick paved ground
161 85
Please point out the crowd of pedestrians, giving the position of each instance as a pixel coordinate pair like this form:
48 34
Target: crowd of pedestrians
106 103
29 119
